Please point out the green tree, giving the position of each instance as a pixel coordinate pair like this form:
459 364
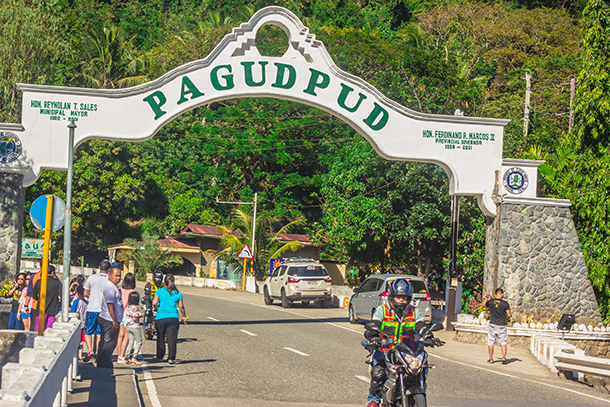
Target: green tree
111 61
148 255
579 169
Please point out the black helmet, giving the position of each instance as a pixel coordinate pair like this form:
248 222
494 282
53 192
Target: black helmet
157 275
400 286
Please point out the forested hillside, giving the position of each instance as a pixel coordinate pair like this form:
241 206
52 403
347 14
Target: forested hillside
432 56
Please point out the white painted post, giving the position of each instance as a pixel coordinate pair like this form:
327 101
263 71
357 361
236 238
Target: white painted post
57 400
64 391
75 364
70 378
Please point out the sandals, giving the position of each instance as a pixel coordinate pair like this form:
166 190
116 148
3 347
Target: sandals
134 362
490 361
504 362
89 356
120 359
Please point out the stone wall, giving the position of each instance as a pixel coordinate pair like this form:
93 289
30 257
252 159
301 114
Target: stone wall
533 253
11 222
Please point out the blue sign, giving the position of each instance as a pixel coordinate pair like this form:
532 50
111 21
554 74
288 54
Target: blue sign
38 213
273 263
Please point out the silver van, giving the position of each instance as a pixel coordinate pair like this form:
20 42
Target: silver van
374 291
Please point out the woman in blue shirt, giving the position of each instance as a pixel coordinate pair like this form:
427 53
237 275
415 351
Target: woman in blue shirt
169 299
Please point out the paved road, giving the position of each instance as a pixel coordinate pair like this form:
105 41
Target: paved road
235 351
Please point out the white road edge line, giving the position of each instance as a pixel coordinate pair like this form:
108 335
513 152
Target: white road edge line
150 386
364 379
519 378
298 352
246 332
360 332
213 319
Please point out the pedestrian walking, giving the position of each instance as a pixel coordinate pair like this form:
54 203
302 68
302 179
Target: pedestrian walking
167 322
52 299
94 290
131 320
109 319
15 292
498 311
128 286
23 312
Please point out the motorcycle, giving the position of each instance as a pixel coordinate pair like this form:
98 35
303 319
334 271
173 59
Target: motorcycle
149 319
406 367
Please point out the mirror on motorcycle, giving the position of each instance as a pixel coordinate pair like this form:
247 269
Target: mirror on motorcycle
143 300
371 326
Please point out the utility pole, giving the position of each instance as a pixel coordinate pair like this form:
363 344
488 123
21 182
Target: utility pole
453 281
528 91
255 202
572 94
65 302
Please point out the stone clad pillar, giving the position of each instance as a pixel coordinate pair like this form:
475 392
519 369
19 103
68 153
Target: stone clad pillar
532 252
12 196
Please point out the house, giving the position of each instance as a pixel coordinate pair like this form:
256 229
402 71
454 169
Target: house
194 242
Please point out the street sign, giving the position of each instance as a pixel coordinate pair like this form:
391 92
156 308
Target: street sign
38 212
245 253
32 248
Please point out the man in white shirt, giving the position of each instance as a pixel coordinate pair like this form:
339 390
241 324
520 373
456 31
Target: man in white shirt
94 289
109 318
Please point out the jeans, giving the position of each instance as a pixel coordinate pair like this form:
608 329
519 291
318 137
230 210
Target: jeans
108 340
167 328
135 341
13 322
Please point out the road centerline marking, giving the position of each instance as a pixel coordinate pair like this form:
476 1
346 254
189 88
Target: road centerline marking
298 352
246 332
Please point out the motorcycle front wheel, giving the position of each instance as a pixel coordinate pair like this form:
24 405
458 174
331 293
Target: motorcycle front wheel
418 400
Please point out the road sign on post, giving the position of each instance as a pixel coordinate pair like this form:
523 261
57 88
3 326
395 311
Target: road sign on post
245 253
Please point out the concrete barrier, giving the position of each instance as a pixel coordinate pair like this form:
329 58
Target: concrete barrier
44 374
575 361
545 347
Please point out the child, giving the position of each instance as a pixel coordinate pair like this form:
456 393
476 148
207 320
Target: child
80 305
131 318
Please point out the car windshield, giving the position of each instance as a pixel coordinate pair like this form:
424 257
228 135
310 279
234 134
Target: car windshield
418 287
308 271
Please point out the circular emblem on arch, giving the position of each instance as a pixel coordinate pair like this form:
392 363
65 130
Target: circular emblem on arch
10 147
515 180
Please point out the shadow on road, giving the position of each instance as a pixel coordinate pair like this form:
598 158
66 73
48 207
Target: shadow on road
270 321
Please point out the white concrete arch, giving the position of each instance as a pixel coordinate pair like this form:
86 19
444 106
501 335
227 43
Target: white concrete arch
468 148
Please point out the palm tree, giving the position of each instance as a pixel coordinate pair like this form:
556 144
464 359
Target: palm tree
148 255
111 62
268 243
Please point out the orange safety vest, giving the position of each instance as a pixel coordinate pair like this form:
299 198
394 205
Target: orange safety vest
393 328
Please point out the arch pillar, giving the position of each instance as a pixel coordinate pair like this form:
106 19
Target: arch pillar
12 195
532 252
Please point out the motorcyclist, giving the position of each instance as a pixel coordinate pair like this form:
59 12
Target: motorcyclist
151 288
397 318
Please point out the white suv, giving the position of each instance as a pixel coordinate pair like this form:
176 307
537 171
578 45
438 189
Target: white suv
302 280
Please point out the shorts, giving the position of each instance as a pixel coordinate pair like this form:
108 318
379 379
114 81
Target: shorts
91 325
499 331
24 315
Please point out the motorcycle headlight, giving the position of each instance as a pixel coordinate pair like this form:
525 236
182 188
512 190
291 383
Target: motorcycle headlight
414 362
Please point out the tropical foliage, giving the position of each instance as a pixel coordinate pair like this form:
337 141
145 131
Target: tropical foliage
147 256
431 56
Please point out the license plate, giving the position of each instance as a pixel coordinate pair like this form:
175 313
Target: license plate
312 283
